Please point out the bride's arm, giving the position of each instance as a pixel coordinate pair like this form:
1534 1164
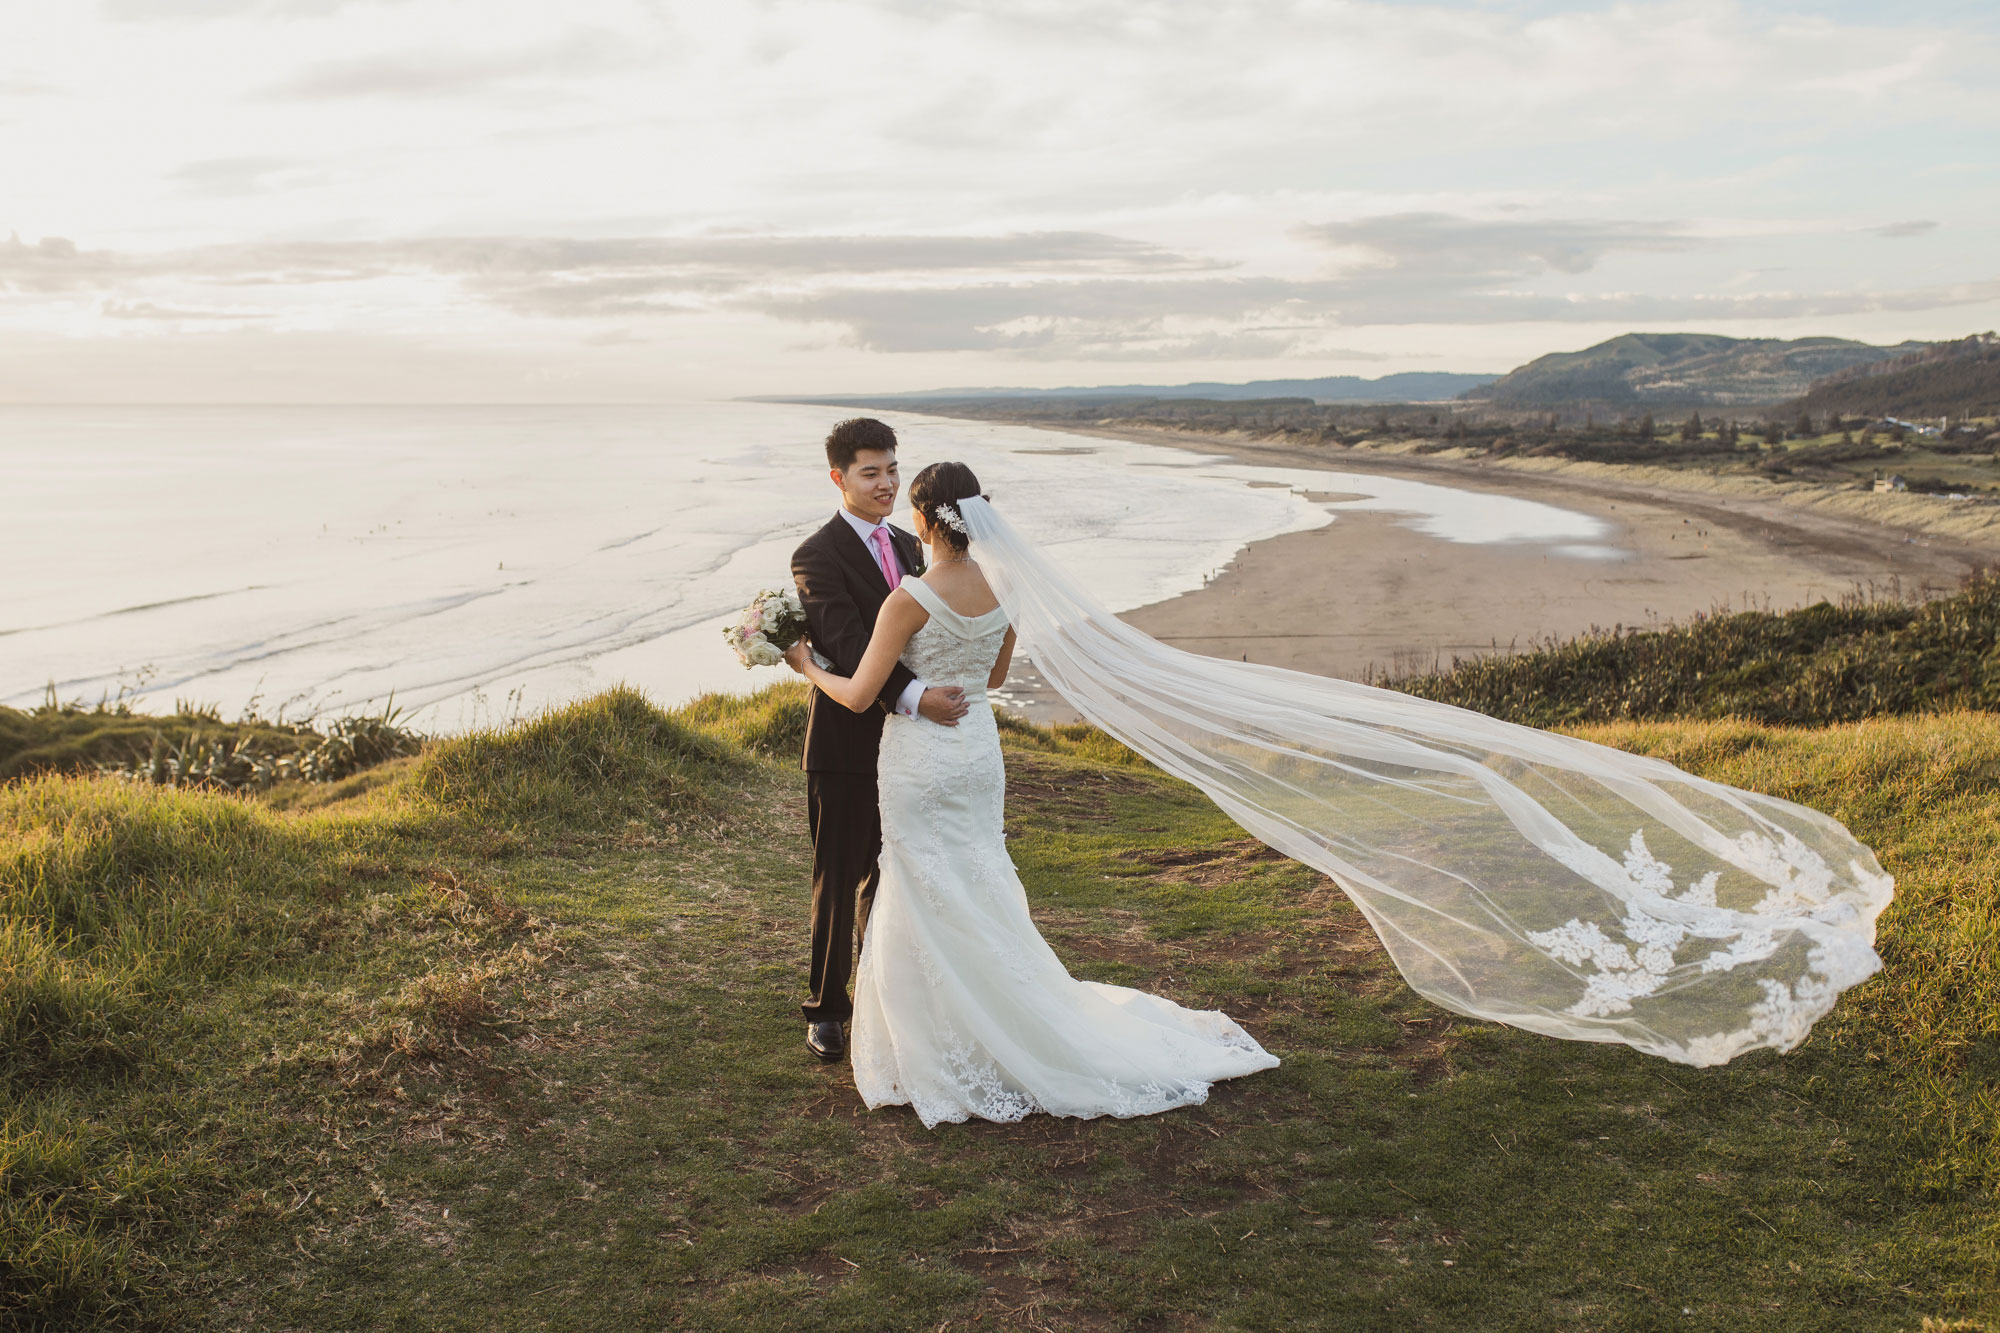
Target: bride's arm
900 617
998 675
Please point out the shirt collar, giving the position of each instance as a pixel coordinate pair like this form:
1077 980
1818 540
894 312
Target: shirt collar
862 527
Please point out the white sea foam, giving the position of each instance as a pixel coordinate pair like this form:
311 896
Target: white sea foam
484 560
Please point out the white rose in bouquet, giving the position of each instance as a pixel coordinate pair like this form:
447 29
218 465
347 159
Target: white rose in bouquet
773 622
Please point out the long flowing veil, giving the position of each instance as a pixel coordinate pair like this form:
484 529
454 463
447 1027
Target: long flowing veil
1513 874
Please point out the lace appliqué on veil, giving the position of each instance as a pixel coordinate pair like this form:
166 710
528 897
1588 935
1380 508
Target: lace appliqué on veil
1646 958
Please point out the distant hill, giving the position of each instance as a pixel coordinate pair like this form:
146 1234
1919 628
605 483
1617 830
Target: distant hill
1682 369
1953 379
1417 386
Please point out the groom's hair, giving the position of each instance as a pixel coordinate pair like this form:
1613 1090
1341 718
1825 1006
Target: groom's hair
850 437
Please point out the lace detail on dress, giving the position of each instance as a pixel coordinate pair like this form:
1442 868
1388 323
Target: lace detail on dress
953 649
1155 1097
981 1089
926 965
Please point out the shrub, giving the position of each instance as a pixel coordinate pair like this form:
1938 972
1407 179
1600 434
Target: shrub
1808 667
193 748
586 764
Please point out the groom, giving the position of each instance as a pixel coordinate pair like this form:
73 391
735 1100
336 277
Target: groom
844 572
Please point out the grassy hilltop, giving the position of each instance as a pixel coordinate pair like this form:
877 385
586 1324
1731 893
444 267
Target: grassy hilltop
1704 369
503 1034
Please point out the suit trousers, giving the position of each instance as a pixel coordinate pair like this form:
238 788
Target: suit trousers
846 824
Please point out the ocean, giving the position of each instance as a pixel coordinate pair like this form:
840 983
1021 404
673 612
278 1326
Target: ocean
478 563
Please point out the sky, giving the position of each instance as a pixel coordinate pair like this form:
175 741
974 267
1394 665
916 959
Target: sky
643 200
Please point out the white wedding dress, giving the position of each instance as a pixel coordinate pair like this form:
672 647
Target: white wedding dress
960 1007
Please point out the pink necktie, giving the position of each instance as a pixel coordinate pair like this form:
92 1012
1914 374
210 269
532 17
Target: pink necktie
890 571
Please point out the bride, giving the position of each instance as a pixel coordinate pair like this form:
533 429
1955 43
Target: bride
1515 875
960 1007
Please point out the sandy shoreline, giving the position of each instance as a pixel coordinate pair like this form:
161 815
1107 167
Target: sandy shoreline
1389 599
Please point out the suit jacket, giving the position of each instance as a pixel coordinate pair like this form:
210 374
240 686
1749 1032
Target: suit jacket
842 589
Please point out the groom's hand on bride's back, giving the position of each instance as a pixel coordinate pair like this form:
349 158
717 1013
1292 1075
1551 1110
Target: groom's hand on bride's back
943 704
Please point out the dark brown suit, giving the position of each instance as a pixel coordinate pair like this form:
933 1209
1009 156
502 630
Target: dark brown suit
843 590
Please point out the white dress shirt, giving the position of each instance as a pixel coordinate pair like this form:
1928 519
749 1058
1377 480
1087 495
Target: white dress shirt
913 693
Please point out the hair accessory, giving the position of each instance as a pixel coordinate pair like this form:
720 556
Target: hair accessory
948 516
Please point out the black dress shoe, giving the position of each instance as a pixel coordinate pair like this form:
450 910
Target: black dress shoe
826 1040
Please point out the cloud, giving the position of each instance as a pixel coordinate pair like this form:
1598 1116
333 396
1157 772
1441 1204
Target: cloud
51 264
584 276
1797 305
446 73
1458 250
1088 318
1401 268
1166 319
613 338
1896 231
149 310
152 11
222 176
224 362
141 11
571 279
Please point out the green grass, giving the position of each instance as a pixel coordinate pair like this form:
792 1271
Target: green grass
505 1036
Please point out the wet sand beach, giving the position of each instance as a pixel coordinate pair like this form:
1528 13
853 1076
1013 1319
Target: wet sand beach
1369 593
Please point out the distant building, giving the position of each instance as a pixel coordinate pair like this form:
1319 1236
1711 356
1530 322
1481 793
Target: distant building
1890 483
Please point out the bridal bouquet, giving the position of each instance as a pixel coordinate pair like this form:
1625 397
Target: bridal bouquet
773 622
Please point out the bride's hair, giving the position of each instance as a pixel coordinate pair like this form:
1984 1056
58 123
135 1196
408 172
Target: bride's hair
944 484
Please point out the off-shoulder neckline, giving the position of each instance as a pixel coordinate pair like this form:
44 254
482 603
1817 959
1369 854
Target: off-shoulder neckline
933 601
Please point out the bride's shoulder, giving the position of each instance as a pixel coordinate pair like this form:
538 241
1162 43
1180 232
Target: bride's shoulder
908 599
